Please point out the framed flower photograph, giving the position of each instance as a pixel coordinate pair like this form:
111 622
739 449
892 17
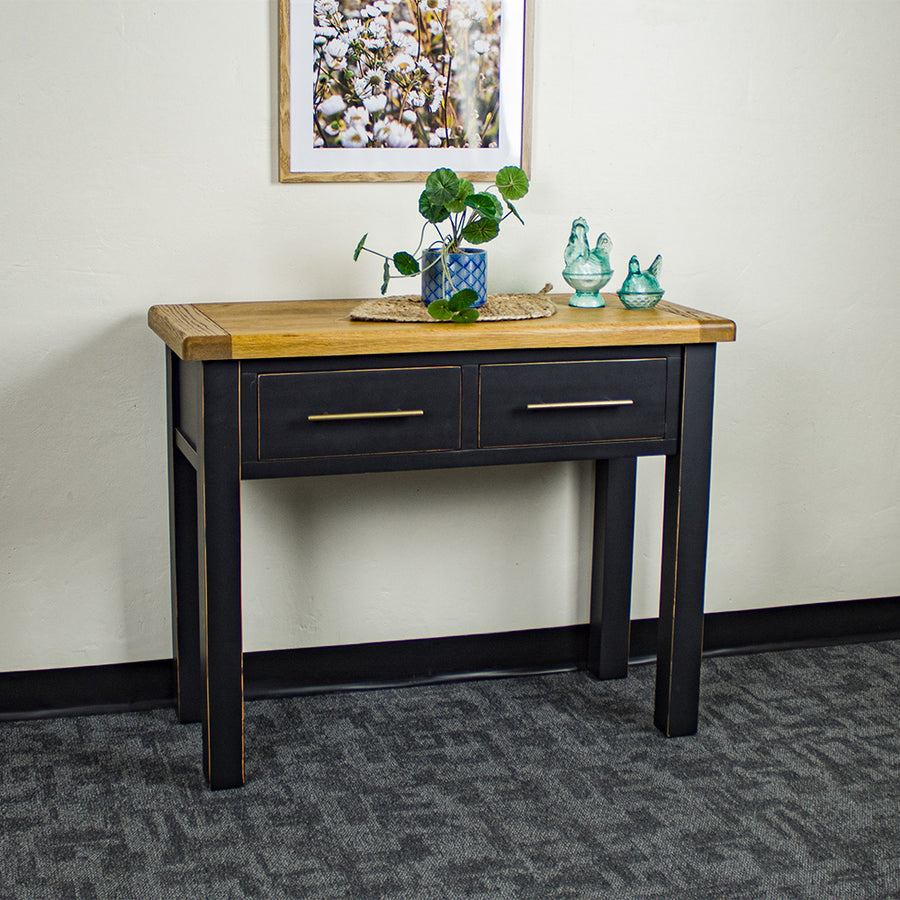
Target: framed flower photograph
389 90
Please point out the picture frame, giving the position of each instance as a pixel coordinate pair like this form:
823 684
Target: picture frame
356 105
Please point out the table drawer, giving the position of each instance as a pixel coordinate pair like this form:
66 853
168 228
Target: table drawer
304 415
577 402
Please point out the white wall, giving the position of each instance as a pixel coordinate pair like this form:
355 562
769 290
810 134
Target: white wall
754 144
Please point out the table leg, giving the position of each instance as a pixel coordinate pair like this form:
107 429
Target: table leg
610 626
219 541
183 556
184 561
685 526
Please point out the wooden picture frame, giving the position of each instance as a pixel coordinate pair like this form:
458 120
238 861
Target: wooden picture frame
368 110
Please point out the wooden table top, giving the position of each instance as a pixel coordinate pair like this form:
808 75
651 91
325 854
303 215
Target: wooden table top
306 328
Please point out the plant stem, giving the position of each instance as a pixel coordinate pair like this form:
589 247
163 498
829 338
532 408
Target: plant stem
376 253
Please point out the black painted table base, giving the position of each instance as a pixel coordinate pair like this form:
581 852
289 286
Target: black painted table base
261 418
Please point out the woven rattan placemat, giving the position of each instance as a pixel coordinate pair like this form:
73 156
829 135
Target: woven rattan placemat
497 308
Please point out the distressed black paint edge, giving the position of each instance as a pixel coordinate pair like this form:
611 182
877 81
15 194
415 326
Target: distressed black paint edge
150 684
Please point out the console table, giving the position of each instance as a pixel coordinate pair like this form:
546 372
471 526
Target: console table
284 389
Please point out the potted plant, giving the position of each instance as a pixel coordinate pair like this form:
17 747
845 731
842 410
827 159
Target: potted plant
454 278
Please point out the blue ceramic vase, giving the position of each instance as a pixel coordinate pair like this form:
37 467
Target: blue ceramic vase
467 268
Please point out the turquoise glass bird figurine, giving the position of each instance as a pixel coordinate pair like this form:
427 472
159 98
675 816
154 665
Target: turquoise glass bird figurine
586 270
641 290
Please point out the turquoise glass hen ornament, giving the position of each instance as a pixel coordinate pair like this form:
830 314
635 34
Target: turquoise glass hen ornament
587 270
641 290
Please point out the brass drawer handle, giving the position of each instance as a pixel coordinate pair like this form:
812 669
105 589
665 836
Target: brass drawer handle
582 404
389 414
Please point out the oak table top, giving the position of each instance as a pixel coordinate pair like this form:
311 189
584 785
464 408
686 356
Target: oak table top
310 328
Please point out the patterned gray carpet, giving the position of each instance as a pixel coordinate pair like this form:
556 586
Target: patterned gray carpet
531 788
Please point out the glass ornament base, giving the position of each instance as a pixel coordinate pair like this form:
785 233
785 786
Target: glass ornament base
640 300
587 301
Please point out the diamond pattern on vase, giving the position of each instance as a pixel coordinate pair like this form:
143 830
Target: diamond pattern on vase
468 269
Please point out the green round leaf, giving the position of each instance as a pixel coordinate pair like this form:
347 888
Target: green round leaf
465 316
481 231
512 183
486 205
466 189
440 309
433 212
406 263
462 299
515 212
359 247
442 186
